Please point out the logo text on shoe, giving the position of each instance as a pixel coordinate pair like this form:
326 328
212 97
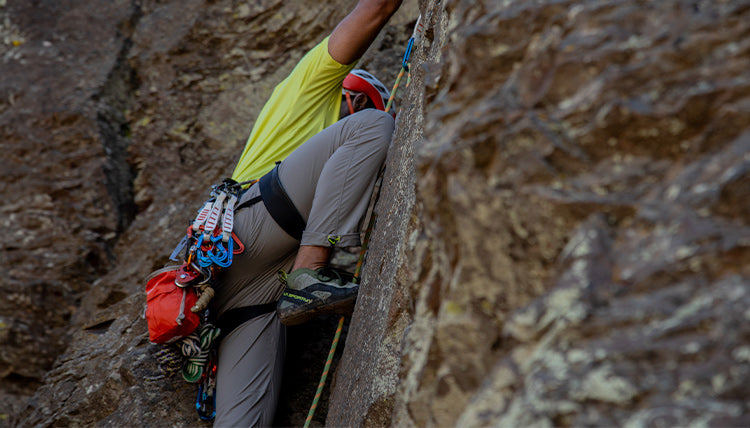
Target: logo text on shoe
296 297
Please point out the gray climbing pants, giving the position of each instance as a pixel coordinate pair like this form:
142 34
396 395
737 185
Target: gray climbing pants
330 180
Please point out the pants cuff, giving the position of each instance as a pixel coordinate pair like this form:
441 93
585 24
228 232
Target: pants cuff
330 240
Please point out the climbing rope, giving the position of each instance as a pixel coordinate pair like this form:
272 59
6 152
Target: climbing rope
196 363
170 360
325 373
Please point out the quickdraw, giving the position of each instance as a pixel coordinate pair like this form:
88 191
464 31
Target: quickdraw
416 35
209 242
205 404
208 246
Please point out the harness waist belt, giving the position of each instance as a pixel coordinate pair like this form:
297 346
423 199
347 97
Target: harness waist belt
279 206
235 317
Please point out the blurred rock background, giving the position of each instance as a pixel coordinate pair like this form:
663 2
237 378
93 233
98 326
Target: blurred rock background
562 237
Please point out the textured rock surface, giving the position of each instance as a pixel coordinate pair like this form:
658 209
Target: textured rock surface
562 237
115 116
567 200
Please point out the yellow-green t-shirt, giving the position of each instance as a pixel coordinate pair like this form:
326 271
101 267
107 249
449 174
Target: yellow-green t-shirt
302 105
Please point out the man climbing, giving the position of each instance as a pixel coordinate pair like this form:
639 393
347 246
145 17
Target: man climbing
313 200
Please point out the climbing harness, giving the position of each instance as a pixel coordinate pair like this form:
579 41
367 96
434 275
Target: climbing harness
235 317
209 241
178 295
279 206
206 249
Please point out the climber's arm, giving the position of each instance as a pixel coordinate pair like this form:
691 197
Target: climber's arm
354 34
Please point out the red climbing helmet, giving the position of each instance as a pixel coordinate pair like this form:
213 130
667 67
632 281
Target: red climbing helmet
359 80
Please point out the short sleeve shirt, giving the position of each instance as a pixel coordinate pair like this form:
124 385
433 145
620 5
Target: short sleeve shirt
302 105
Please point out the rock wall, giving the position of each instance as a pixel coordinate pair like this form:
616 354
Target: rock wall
567 199
561 239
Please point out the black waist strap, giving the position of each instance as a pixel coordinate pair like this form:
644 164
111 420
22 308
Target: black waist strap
279 206
233 318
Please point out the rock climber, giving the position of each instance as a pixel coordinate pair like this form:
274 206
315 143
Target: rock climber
327 125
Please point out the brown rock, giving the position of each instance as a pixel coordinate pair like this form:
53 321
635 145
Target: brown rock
572 252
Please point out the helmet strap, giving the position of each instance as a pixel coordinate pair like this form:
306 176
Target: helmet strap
349 102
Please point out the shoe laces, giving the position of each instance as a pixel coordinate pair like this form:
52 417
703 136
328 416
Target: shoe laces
330 274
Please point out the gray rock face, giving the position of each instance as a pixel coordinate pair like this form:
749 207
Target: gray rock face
566 202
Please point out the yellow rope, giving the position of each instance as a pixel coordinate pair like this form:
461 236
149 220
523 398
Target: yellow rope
325 373
395 88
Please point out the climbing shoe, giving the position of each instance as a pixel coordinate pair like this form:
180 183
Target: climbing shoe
309 293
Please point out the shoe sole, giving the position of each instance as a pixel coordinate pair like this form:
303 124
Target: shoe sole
346 306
